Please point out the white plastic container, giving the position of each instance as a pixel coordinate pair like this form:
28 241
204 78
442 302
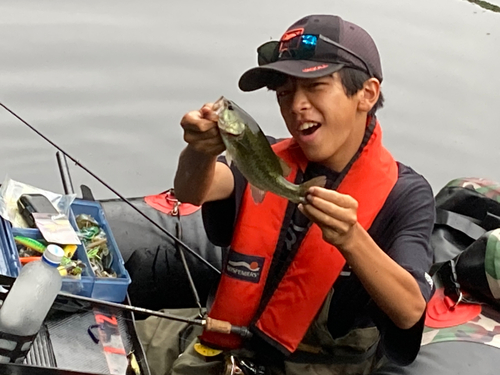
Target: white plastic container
30 299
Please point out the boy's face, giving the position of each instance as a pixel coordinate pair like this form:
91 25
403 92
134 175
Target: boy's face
325 122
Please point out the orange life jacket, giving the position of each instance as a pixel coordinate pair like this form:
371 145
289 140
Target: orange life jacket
283 317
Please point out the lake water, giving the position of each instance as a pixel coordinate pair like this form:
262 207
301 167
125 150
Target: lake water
109 82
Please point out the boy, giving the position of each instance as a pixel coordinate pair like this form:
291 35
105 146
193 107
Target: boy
341 282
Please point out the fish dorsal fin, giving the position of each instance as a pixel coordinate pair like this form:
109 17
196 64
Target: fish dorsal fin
257 194
285 167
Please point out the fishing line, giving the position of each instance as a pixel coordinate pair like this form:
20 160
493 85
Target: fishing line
175 239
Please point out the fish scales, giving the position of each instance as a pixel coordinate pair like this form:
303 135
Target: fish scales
263 164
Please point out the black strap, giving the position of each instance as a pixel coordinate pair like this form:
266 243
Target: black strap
459 222
491 221
448 276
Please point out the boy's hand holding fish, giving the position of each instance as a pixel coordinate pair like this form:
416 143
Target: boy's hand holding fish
334 213
194 181
201 132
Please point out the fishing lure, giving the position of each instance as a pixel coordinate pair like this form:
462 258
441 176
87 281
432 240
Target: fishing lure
69 250
30 243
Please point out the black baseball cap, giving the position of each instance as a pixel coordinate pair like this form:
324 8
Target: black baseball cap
314 46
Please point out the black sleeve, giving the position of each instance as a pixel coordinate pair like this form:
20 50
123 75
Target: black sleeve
219 217
409 232
410 246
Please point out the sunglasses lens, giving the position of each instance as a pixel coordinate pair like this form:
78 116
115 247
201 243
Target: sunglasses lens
267 53
307 46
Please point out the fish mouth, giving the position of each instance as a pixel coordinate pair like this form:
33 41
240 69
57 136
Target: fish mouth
229 134
308 127
220 105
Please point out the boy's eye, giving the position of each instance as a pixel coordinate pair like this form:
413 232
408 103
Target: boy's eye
282 93
316 84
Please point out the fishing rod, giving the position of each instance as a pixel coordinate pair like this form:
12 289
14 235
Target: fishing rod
209 324
174 238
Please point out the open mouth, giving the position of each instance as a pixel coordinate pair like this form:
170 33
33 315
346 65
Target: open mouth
308 128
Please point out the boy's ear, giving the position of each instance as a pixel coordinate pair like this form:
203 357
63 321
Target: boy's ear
369 94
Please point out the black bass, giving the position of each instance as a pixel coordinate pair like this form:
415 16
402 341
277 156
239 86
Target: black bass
249 149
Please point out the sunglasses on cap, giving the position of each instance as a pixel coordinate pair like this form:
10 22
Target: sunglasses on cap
301 47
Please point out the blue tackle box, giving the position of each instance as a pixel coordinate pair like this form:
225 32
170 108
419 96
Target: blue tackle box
105 288
82 285
112 289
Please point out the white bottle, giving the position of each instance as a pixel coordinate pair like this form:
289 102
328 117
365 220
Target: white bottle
30 298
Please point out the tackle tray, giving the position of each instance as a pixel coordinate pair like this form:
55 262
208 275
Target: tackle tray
106 288
82 285
113 289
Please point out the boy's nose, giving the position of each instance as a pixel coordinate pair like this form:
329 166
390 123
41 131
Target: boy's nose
300 101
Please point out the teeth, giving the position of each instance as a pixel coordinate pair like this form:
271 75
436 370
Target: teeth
307 125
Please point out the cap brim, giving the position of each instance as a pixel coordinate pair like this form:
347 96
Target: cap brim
261 76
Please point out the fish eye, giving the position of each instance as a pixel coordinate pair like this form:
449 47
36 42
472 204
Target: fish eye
230 107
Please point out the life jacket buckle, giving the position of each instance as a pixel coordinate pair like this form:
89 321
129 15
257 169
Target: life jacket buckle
171 199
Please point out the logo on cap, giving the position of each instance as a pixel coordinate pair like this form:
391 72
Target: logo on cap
315 68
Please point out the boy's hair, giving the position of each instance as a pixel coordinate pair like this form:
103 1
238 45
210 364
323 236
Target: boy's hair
352 80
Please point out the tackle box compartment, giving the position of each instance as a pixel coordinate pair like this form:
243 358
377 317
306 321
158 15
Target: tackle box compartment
82 285
9 262
106 288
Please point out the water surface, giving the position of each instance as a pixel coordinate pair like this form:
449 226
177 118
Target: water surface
110 81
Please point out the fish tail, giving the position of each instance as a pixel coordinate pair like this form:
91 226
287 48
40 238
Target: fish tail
316 181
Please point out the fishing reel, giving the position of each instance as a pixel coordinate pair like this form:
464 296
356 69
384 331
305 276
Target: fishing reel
241 366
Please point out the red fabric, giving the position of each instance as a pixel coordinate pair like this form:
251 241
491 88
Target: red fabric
256 233
306 284
316 265
165 202
441 312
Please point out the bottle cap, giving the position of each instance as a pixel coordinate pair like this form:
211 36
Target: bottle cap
53 255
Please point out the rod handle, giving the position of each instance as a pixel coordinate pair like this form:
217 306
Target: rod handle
220 326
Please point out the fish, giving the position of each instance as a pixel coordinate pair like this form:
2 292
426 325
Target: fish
248 147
